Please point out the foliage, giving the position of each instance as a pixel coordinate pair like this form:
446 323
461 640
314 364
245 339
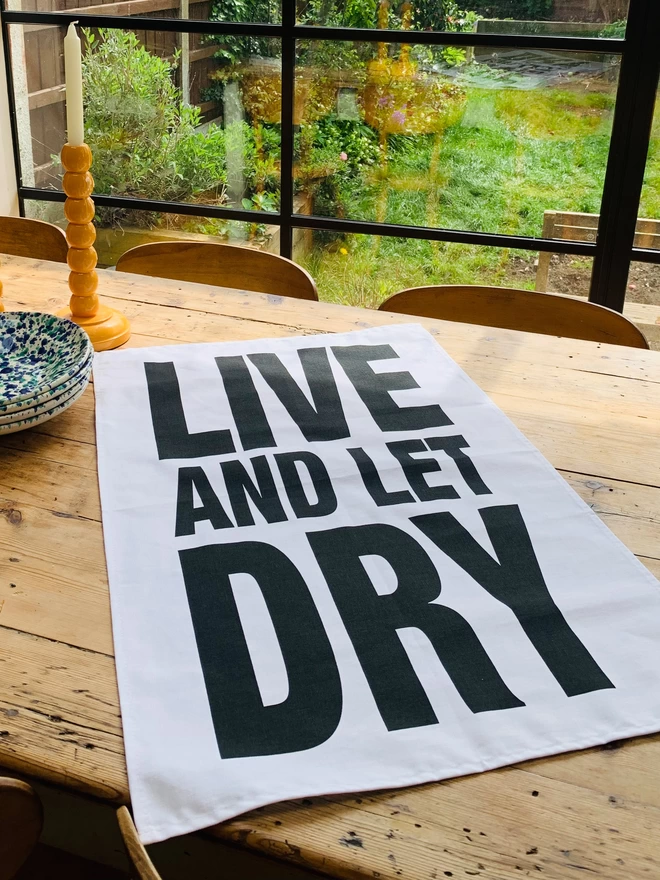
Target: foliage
417 101
143 138
615 30
335 146
233 48
522 10
442 15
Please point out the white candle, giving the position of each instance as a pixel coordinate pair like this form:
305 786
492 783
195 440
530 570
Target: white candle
75 129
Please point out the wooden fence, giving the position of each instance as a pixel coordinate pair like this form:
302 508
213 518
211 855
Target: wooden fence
590 10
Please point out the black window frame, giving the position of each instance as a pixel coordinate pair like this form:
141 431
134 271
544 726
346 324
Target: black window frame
612 252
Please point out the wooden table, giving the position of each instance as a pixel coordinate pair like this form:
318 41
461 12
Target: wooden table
593 410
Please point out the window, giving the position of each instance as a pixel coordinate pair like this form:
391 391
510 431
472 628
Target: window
381 144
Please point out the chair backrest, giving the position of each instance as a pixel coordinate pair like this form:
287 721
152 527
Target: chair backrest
142 865
22 237
575 226
518 310
223 264
21 819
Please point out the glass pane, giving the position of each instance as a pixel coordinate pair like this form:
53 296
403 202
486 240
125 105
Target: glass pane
259 11
208 134
575 18
363 270
648 225
398 135
141 227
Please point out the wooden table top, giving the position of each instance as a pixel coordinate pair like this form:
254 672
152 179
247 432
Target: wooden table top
593 410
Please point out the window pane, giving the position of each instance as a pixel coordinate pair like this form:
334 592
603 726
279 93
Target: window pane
398 135
575 18
209 134
363 270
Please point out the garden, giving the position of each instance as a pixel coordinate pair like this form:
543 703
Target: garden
405 134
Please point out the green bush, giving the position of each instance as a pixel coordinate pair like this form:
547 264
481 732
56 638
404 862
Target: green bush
143 137
234 48
615 30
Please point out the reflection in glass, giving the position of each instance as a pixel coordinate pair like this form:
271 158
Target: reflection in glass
434 138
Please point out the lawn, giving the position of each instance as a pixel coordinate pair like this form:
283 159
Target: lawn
513 155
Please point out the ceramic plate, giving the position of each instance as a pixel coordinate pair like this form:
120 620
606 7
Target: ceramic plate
30 411
12 427
38 352
18 406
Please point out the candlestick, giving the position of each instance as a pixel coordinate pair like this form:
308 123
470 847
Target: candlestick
75 128
106 327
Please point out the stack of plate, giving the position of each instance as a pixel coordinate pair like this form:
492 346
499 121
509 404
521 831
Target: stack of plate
45 365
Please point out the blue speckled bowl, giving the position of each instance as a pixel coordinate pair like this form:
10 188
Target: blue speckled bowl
44 417
38 352
19 406
29 412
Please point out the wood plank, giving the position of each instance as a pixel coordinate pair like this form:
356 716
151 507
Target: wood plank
202 53
50 48
495 825
59 715
45 97
34 79
575 218
53 580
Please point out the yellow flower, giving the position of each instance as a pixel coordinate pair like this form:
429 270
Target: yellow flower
343 251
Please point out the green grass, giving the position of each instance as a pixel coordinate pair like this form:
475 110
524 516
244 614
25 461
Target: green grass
513 155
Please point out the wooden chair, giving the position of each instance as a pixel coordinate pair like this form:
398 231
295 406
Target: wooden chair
143 867
223 264
21 820
22 237
518 310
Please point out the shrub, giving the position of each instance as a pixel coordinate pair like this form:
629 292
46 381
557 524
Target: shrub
143 137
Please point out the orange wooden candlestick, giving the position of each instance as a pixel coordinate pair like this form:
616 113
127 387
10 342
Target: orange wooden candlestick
106 327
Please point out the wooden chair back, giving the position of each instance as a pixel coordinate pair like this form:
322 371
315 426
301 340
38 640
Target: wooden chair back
518 310
225 265
142 866
21 820
574 226
22 237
